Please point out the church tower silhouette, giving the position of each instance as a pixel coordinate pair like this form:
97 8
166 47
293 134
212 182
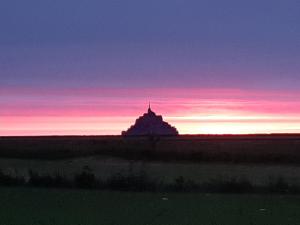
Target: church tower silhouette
150 124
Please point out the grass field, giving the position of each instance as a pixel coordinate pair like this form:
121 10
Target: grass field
280 148
106 156
102 167
24 206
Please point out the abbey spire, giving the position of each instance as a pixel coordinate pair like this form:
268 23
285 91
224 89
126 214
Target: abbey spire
150 124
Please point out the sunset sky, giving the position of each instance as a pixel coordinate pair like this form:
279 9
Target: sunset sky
91 67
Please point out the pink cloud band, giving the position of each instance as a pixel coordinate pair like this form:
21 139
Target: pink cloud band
31 111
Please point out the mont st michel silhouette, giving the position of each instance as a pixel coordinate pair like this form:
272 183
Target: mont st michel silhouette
150 124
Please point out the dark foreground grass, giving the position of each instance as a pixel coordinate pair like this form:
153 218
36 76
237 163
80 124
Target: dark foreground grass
20 206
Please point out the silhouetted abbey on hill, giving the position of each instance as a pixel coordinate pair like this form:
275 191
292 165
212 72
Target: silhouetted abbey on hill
150 124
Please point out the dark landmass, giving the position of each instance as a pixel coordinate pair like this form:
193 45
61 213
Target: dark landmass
263 148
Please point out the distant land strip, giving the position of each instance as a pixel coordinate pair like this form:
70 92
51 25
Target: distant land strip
255 148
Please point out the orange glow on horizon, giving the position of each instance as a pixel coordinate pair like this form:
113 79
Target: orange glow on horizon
224 124
191 111
217 124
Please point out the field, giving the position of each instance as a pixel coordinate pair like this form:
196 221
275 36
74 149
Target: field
20 206
283 148
103 167
259 159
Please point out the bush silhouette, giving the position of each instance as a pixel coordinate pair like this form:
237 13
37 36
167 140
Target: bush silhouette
47 181
8 180
86 179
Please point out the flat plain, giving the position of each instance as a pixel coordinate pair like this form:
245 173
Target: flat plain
23 206
273 148
104 167
258 159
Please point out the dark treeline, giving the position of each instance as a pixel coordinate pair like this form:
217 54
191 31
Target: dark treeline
142 182
228 148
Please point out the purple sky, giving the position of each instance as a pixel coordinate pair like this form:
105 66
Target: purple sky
251 46
150 43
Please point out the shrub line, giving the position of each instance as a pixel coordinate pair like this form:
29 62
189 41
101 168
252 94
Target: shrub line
140 182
